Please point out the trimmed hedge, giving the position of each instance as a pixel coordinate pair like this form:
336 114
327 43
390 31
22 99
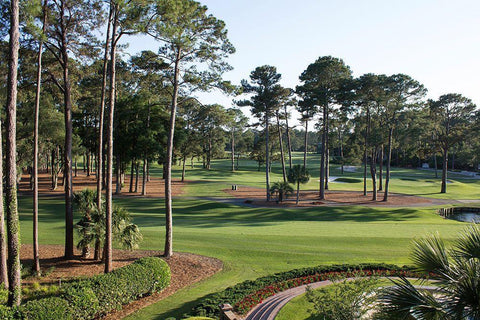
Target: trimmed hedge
98 295
208 307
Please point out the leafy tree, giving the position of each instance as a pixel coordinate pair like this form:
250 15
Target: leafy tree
283 189
321 84
13 231
298 174
189 36
458 284
451 114
235 123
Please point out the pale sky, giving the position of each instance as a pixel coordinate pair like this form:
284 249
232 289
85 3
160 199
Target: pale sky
435 42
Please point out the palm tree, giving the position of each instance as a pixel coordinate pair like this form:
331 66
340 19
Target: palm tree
298 174
282 189
91 226
458 273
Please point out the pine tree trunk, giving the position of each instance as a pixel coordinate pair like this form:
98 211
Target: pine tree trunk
67 163
380 176
444 171
144 180
36 255
322 159
183 168
168 251
130 190
118 178
373 173
282 156
289 142
13 227
88 164
389 160
136 177
305 144
298 193
109 202
435 164
327 152
267 155
233 153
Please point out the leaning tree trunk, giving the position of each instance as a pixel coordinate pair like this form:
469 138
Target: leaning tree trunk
282 156
36 255
444 171
389 160
168 251
13 227
109 202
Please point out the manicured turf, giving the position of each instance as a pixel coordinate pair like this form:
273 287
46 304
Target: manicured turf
253 242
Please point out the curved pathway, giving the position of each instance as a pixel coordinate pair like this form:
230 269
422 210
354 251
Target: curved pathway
269 308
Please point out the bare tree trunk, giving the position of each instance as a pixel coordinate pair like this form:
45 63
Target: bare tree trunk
267 155
435 164
444 171
130 190
183 168
168 251
75 166
282 156
109 203
137 164
13 227
289 142
233 153
144 180
3 243
322 159
389 160
380 176
298 192
305 144
36 255
67 164
373 173
88 164
340 138
118 178
327 153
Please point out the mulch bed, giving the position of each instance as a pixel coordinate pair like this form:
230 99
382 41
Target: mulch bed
256 196
186 269
155 187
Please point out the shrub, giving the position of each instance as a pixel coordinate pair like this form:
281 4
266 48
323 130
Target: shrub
96 296
348 180
7 313
46 309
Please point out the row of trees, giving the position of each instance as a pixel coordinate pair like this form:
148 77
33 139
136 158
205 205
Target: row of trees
77 81
363 119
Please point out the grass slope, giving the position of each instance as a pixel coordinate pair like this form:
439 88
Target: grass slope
253 242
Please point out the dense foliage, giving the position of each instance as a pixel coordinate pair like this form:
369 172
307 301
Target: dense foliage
92 297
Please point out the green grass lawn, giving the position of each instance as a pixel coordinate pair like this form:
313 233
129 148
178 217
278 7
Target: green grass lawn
253 242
